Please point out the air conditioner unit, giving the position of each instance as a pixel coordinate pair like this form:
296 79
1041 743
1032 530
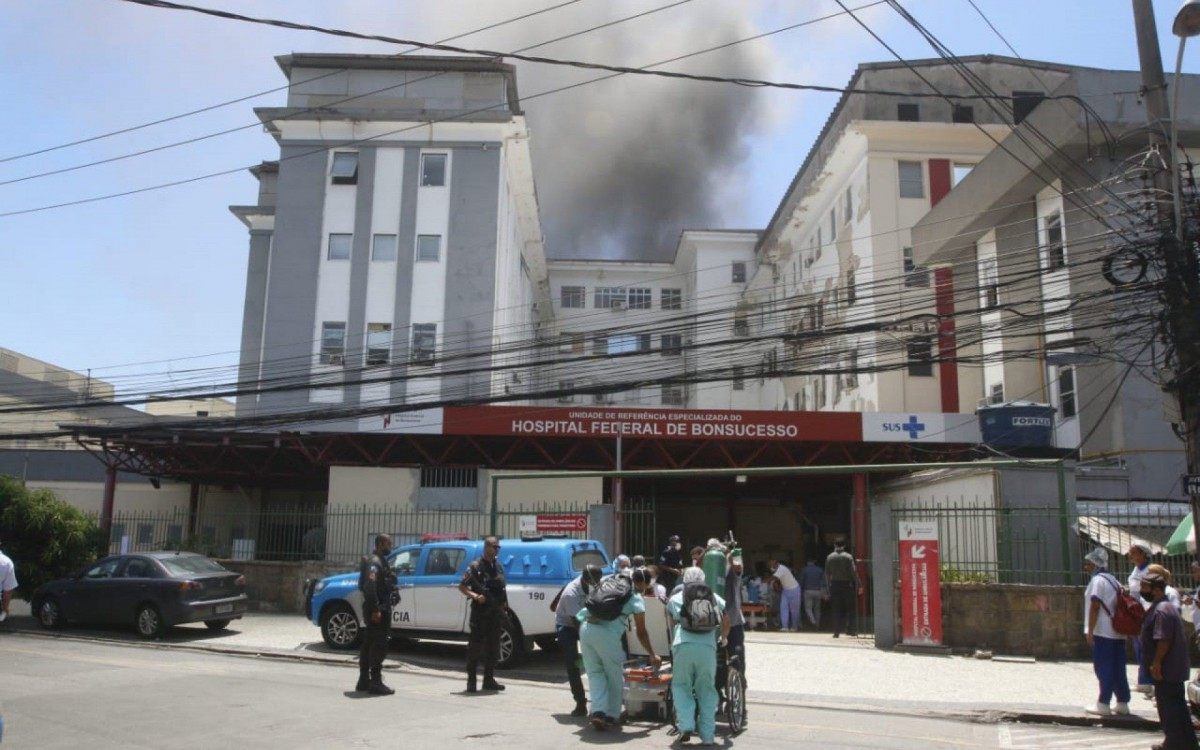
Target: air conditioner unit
619 305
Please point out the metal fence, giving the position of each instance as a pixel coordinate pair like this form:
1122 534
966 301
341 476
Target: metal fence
311 533
980 542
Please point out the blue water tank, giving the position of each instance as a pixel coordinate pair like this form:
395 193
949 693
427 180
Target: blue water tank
1018 424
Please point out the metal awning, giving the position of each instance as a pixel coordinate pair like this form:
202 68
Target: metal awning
1114 538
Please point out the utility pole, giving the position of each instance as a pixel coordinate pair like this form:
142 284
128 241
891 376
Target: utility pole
1181 276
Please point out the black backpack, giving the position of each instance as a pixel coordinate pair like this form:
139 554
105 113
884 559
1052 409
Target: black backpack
608 597
699 612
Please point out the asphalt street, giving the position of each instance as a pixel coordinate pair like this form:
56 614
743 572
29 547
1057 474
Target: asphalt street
69 693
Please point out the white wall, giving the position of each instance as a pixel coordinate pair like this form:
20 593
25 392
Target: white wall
381 275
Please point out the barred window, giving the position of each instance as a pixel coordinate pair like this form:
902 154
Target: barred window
672 299
672 344
573 296
609 296
453 477
641 299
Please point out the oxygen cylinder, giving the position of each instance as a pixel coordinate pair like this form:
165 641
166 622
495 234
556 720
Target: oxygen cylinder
713 565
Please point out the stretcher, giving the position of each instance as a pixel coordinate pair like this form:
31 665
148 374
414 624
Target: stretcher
648 689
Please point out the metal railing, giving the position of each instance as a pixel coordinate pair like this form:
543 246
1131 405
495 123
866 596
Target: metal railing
311 533
981 543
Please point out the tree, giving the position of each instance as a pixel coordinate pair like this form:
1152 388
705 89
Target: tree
45 537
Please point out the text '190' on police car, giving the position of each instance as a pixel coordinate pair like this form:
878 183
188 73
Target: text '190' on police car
431 605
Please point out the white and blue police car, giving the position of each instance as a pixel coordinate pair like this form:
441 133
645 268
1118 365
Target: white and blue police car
431 605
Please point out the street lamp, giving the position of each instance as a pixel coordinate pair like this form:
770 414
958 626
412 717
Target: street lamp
1187 24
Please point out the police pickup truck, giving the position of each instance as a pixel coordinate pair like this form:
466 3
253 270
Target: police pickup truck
431 605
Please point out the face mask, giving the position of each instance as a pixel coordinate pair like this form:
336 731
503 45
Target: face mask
678 546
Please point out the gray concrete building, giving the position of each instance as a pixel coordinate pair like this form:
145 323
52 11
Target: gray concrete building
396 241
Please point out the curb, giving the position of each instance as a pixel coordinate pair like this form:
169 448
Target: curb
989 716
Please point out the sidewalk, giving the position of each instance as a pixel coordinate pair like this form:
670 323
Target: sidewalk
809 669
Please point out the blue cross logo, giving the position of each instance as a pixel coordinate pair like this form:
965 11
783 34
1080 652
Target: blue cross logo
913 427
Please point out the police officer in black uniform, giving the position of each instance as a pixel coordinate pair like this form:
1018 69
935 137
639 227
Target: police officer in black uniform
377 582
483 583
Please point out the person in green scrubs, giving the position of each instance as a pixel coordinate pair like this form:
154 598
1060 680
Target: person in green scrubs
604 658
694 666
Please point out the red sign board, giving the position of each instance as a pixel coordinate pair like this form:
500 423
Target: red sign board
665 424
544 523
920 583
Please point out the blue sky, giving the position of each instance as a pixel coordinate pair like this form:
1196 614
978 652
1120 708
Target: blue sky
159 277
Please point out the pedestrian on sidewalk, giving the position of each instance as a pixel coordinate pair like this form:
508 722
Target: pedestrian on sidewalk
377 582
841 576
8 584
670 563
623 565
789 596
1139 555
484 584
812 584
1172 592
1107 645
603 620
698 615
733 610
1165 654
566 630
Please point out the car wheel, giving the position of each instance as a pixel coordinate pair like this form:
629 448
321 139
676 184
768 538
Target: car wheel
217 624
148 621
546 642
49 614
512 645
340 628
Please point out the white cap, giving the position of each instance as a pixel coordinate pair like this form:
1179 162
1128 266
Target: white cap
1098 557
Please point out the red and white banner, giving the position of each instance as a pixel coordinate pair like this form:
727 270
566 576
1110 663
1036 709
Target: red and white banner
553 523
920 583
679 424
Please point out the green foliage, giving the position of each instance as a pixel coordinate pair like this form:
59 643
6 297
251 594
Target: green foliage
45 537
954 575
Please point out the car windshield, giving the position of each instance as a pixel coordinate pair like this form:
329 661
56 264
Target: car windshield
190 565
583 558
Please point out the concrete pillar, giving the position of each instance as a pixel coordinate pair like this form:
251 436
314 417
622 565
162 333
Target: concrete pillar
883 575
110 494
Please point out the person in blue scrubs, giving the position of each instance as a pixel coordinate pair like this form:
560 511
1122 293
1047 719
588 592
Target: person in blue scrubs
694 667
604 658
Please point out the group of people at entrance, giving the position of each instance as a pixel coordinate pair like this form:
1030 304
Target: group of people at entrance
1149 613
593 614
838 583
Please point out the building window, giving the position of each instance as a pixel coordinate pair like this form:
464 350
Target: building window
600 346
609 297
573 296
672 344
739 272
672 395
914 275
848 208
1066 392
572 343
960 172
1023 103
624 343
1056 256
989 284
908 112
429 248
641 299
920 356
820 244
912 179
851 289
339 247
645 342
449 477
602 398
852 374
566 391
833 224
379 343
333 342
996 393
671 299
383 247
741 326
963 113
345 168
433 170
739 378
424 343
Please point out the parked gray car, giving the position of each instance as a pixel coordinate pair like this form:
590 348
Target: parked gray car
151 591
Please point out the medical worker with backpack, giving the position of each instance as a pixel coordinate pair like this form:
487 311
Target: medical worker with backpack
607 607
698 615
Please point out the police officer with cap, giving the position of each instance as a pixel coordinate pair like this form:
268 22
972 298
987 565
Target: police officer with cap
377 582
483 583
670 562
